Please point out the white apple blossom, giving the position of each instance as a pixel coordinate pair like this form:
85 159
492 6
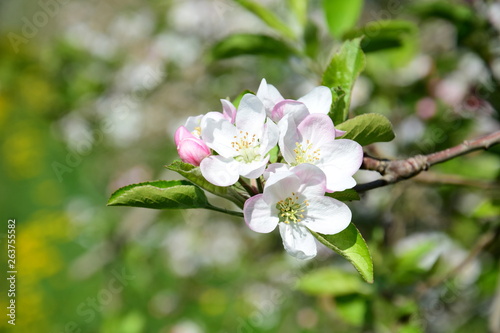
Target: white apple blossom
294 200
318 100
243 147
312 140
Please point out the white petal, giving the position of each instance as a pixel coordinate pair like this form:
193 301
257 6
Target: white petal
318 129
259 216
280 185
193 122
254 169
298 241
270 137
287 106
218 135
327 215
318 100
289 136
312 179
220 171
229 111
339 133
251 115
340 159
269 96
275 167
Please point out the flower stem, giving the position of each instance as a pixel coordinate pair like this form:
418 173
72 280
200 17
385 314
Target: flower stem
225 211
259 185
251 191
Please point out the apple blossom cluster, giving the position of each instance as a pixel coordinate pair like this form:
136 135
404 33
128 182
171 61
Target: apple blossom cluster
238 144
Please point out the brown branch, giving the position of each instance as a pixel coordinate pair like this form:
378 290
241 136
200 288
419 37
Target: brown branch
393 171
447 179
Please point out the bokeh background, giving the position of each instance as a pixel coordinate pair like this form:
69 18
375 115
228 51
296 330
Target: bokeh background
91 93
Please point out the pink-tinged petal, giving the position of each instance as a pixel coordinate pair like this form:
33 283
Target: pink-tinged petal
270 137
269 96
182 133
259 216
192 123
318 129
228 110
340 159
213 115
289 136
274 168
339 133
251 115
312 179
193 151
219 135
254 169
327 215
288 106
281 185
220 171
298 241
318 100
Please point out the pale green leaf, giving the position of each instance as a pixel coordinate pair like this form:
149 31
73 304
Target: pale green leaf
367 128
340 75
267 17
161 194
341 15
332 281
346 195
394 41
193 174
250 44
350 244
299 10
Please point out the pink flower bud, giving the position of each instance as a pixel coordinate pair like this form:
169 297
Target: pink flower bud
191 149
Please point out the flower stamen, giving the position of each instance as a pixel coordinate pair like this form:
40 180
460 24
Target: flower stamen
290 210
305 153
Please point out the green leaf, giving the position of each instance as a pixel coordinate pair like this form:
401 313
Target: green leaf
340 75
299 10
462 16
267 17
367 128
346 195
273 154
390 42
341 15
350 244
382 35
311 39
250 44
193 174
333 282
161 194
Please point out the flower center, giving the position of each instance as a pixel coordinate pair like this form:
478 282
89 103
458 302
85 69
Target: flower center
290 210
247 146
197 132
304 153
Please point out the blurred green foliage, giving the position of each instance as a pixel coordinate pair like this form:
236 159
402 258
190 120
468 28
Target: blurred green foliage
89 103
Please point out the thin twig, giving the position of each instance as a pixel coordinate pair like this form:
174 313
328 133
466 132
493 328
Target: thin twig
260 187
250 189
225 211
440 178
393 171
